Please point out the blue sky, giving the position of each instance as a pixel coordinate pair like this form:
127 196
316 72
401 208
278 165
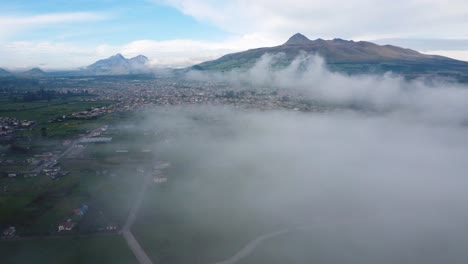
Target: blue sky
67 34
124 21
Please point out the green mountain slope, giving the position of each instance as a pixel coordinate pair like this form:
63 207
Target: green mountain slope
348 56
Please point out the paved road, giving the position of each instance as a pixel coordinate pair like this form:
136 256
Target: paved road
57 157
127 234
136 248
131 241
251 246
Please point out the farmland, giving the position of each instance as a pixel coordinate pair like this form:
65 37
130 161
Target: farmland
101 249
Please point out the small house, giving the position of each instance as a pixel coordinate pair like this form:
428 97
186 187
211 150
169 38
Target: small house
66 226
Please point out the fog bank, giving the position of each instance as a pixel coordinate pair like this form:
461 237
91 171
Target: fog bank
434 100
384 182
393 189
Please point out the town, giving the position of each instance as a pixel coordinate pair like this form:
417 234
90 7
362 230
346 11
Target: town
45 149
78 155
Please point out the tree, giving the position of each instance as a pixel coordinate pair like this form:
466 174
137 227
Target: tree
44 131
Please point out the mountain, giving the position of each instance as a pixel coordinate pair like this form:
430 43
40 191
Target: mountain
117 65
34 72
298 39
4 72
348 56
139 60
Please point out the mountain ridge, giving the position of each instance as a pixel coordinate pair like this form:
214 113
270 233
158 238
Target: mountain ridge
4 72
118 64
34 72
347 56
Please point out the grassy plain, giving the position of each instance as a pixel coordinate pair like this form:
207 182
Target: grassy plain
36 205
98 249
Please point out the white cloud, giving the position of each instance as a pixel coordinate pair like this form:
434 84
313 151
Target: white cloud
50 55
184 52
456 54
252 24
10 25
51 18
333 18
173 53
170 53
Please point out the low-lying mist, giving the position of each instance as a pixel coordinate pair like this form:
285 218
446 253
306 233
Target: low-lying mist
433 99
382 185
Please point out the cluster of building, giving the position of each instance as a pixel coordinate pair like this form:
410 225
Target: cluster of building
109 227
159 176
54 171
66 226
10 125
90 114
137 94
70 223
9 232
142 94
94 140
24 174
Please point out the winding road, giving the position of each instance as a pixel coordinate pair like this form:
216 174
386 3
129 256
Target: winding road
251 246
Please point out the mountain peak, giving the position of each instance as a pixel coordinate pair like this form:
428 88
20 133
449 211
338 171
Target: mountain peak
4 72
118 64
117 56
35 70
297 39
139 59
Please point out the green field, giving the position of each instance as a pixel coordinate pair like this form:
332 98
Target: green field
36 205
101 178
43 110
179 223
71 128
175 231
99 249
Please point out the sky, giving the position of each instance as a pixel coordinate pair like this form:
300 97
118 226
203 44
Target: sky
61 34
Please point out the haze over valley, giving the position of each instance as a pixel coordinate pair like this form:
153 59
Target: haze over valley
302 150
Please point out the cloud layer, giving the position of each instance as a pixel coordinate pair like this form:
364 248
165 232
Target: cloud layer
434 101
361 19
248 24
172 53
382 184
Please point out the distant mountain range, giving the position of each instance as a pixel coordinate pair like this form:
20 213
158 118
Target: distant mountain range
347 56
34 72
4 72
114 65
340 55
118 65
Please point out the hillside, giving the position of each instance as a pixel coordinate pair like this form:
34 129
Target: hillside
33 73
348 56
4 72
